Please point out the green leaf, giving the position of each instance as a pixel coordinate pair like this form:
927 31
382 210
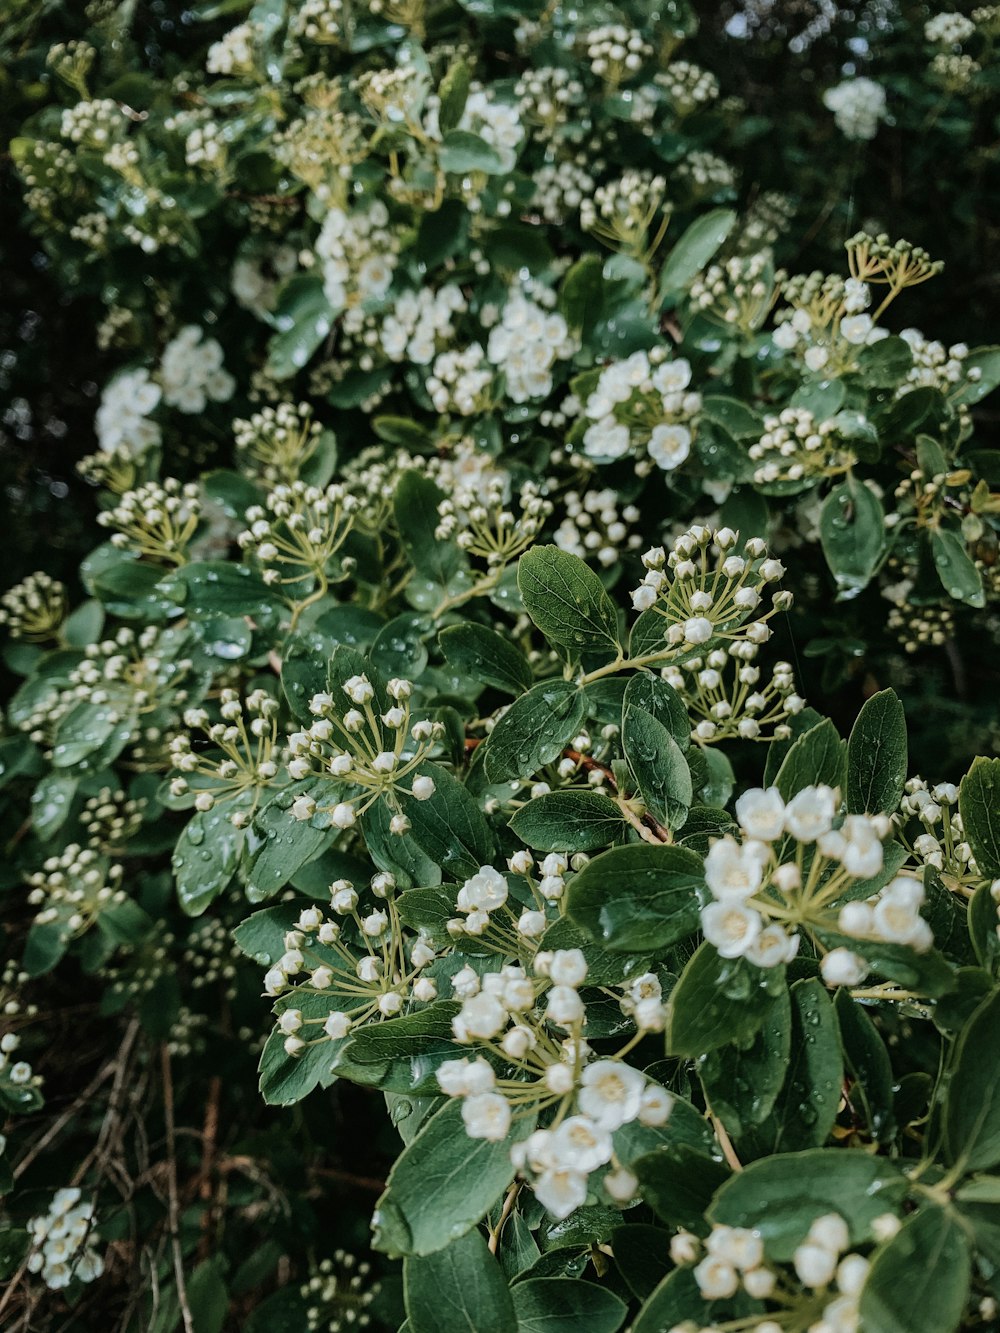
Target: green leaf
987 361
569 821
486 656
979 806
678 1301
717 1001
806 1107
782 1196
459 1289
959 576
877 756
695 248
303 318
640 1252
261 936
213 589
972 1100
567 600
678 1184
638 898
277 845
415 506
453 92
208 1299
449 827
852 534
442 1185
734 416
658 766
534 731
566 1305
919 1281
581 295
742 1080
206 856
462 152
868 1068
656 697
817 758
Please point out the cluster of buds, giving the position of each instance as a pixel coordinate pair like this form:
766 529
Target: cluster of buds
918 627
72 62
738 293
941 841
275 442
34 609
63 1242
18 1079
110 819
826 322
74 888
338 1294
686 86
482 524
594 527
795 447
763 891
615 53
705 591
93 124
547 98
726 699
895 265
394 97
622 213
373 746
298 531
533 1025
348 966
245 756
158 520
732 1260
644 400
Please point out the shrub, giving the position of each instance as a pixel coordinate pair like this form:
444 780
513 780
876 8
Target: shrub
478 474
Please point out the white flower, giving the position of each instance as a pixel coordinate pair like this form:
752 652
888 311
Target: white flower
716 1279
698 629
480 1016
669 446
568 967
842 967
423 788
739 1246
772 947
856 328
563 1005
611 1093
622 1185
580 1144
486 1115
732 871
760 813
655 1105
486 890
730 927
831 1232
814 1264
810 813
857 105
561 1192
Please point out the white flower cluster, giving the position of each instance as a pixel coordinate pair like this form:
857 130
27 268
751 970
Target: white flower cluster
706 172
34 609
192 372
93 124
495 122
110 819
935 365
512 1015
796 447
594 528
276 441
338 1294
16 1074
362 747
358 250
734 1258
233 53
526 344
762 892
339 985
421 323
74 888
298 530
561 187
547 97
949 29
703 599
256 278
622 211
122 424
942 843
738 292
643 400
246 754
687 86
205 146
460 381
63 1242
726 696
319 20
615 52
858 105
157 519
481 522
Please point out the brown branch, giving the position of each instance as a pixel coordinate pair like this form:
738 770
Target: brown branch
173 1207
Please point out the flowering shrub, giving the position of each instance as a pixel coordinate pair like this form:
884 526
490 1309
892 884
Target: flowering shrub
476 476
